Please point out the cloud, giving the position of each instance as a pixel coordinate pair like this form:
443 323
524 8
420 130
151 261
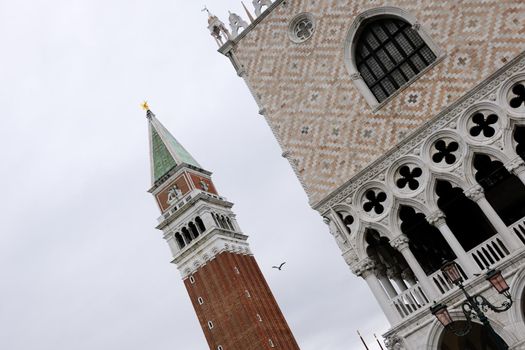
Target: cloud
81 263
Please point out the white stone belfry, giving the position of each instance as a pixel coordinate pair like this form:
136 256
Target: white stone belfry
218 30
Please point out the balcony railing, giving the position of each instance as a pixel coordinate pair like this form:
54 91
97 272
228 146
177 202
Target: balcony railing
519 229
489 252
410 301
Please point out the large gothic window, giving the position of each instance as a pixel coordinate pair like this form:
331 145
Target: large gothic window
388 54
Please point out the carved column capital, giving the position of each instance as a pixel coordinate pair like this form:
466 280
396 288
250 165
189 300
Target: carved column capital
400 243
437 218
394 342
364 267
475 193
516 166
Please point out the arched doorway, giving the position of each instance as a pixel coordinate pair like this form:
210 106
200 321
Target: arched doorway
477 339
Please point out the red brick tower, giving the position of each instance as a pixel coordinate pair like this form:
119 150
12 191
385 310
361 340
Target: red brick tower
234 305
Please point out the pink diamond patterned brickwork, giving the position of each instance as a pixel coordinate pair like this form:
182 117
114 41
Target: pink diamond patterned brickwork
322 121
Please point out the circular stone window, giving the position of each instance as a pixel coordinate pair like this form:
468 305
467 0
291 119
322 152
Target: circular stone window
301 28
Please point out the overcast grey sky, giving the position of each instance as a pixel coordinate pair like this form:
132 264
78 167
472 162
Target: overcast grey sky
81 265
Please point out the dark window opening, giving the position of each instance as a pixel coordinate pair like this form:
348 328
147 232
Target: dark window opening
463 216
426 242
387 258
504 191
389 52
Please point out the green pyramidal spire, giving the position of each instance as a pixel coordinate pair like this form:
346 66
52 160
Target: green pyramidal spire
165 151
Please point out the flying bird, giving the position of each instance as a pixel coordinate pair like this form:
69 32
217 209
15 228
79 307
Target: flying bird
279 267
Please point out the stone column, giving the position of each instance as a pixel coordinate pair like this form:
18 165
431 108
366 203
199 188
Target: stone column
437 219
517 167
383 278
394 274
477 194
366 269
401 244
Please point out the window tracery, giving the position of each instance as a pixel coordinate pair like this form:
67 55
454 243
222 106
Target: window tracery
374 201
388 54
445 151
409 177
518 98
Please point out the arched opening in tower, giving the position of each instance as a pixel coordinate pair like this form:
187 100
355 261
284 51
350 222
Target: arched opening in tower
426 242
463 216
504 191
391 266
194 232
477 339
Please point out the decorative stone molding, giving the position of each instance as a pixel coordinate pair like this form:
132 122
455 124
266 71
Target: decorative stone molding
208 251
416 26
400 243
475 193
356 76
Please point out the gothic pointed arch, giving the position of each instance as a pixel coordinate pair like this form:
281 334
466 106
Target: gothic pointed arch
385 50
390 263
463 216
504 191
426 242
360 236
431 196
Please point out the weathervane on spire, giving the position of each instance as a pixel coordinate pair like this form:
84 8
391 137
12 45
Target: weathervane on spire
206 9
145 107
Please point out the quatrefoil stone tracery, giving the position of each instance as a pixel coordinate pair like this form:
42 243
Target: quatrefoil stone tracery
374 201
517 99
301 28
408 177
445 152
483 124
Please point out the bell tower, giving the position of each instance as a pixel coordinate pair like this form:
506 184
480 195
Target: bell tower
235 307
